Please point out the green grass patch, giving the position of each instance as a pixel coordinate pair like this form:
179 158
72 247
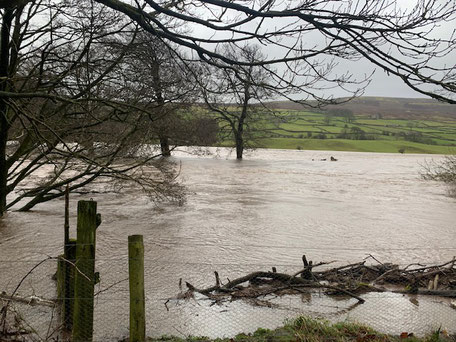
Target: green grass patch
294 129
388 146
304 329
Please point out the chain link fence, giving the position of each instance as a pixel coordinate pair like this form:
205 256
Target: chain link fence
222 299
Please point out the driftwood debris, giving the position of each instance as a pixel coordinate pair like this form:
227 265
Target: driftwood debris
30 300
349 280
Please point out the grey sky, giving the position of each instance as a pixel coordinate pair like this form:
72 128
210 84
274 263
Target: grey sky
391 86
381 84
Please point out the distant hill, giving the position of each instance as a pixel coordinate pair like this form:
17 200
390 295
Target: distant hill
385 107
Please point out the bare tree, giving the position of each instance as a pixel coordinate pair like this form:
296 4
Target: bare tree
309 39
67 106
235 97
401 41
159 76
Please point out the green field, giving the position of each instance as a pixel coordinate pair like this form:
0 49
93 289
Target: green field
354 145
293 129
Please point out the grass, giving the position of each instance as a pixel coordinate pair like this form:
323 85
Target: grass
387 146
292 129
304 329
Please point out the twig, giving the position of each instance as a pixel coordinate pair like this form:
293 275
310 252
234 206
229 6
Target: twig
343 291
308 267
384 275
5 308
451 262
50 323
76 267
337 269
110 286
371 256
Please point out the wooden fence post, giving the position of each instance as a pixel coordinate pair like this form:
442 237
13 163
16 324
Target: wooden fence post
65 283
136 281
85 272
65 271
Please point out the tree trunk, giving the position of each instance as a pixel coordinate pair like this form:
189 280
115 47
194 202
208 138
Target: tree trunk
164 145
3 163
239 134
239 146
163 136
4 124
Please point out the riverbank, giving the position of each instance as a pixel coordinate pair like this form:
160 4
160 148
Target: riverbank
382 146
312 330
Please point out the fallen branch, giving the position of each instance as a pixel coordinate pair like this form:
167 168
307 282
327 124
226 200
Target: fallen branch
284 278
31 300
350 280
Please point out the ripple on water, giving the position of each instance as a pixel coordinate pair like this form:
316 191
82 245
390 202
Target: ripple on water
244 216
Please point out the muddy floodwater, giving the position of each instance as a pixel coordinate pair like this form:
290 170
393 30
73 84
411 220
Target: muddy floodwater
240 217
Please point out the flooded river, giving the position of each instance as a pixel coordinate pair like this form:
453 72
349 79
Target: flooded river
267 210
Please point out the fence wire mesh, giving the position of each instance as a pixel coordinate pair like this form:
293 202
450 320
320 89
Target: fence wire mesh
217 298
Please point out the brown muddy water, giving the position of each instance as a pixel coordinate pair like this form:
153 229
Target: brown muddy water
248 216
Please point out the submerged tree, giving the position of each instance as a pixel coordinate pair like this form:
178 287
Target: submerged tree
235 97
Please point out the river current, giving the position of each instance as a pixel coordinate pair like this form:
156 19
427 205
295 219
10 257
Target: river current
239 217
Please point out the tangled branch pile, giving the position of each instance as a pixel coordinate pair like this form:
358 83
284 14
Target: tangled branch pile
350 280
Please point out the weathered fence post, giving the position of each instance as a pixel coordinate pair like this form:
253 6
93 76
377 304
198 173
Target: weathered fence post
85 272
136 280
65 271
65 283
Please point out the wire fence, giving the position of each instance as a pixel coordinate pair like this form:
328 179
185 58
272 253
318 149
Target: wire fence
223 299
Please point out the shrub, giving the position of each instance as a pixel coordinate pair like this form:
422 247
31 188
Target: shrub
443 171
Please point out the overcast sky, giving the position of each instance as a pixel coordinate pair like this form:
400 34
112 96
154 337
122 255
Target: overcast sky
391 86
388 86
381 84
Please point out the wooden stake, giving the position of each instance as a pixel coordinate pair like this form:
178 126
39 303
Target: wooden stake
137 297
85 262
65 271
66 225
